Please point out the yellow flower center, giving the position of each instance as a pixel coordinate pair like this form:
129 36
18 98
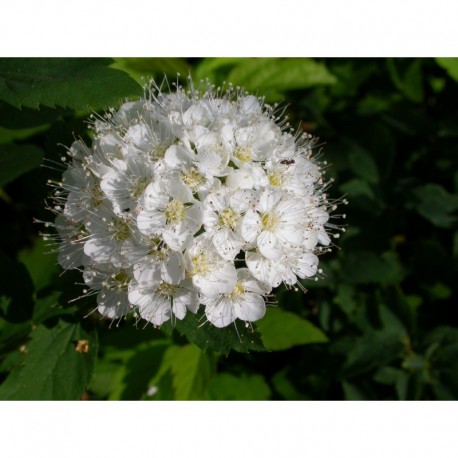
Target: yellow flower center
192 178
166 290
243 153
174 211
139 187
120 230
237 291
200 264
269 222
228 218
275 178
121 280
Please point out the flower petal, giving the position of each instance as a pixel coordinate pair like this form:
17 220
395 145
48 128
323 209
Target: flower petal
151 222
269 245
249 307
220 312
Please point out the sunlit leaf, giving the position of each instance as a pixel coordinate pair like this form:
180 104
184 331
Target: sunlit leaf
280 330
226 387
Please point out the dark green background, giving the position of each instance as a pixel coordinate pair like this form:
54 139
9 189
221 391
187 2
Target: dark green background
381 325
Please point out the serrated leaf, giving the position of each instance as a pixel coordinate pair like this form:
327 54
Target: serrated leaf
281 330
236 336
78 83
16 160
244 387
14 118
54 367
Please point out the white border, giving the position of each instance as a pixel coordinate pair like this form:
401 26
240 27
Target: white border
229 429
315 28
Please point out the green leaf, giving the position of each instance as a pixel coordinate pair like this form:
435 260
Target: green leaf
373 350
184 374
408 80
435 204
236 337
16 160
362 164
216 69
353 392
17 286
281 330
284 386
228 387
358 188
78 83
131 381
365 267
391 376
191 369
143 68
54 366
41 264
14 118
274 76
450 65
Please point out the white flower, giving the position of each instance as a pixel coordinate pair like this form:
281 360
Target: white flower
124 185
223 211
177 193
245 301
171 212
211 274
157 301
112 285
275 223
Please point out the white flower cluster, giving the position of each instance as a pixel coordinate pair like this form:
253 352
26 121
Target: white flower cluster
195 196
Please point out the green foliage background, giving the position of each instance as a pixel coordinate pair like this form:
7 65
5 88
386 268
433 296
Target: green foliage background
381 325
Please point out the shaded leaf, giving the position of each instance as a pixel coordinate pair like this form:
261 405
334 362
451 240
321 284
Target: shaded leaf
17 286
367 267
408 80
435 204
206 336
78 83
363 165
16 160
376 349
41 264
